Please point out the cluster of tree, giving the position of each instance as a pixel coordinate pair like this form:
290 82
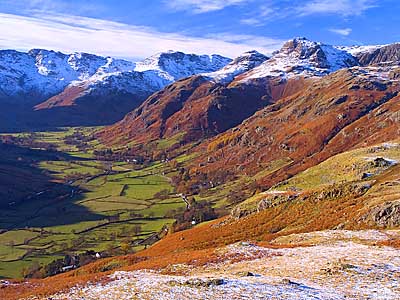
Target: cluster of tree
184 183
76 175
36 270
78 137
162 195
29 141
79 140
192 182
194 213
120 155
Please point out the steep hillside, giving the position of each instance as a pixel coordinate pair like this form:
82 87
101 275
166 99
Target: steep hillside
310 100
343 110
199 106
228 96
368 175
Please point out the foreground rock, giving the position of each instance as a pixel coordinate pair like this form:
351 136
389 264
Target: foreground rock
326 265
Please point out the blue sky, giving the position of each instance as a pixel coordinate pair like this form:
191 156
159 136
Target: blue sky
140 28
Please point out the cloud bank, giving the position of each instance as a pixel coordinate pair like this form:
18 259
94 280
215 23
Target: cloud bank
70 33
341 7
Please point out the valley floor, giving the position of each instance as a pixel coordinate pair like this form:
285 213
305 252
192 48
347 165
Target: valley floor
335 264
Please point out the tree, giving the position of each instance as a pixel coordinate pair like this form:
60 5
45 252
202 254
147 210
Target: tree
162 195
33 271
137 229
107 166
236 196
125 247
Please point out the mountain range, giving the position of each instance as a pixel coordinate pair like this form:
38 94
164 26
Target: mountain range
44 88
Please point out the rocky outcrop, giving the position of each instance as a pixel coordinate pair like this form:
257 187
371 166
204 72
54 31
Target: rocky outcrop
274 199
302 57
394 74
389 54
386 215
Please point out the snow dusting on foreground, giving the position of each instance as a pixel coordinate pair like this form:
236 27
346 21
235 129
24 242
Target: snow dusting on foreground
328 265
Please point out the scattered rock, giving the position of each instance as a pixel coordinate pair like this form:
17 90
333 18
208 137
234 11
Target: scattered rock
366 175
196 282
387 215
245 274
395 74
274 200
289 282
380 162
337 268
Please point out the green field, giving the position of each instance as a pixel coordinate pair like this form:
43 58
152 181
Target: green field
98 210
76 203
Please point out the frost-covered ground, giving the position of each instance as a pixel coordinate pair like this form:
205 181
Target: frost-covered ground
330 265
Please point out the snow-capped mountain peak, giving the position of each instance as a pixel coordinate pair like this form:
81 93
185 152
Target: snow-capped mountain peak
301 56
300 47
175 65
239 65
44 73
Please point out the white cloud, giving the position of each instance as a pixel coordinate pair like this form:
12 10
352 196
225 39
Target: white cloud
52 6
202 6
264 14
341 31
341 7
69 33
251 21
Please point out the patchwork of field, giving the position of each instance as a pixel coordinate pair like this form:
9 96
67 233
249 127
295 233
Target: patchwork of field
97 208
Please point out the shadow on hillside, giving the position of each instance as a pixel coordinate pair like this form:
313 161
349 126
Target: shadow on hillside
30 196
85 111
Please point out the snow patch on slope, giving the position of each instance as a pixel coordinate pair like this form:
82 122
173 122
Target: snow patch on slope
355 50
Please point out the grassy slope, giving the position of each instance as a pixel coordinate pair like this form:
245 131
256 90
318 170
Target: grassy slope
343 168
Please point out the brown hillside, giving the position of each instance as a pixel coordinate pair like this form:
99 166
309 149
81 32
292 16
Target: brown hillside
336 113
65 98
198 108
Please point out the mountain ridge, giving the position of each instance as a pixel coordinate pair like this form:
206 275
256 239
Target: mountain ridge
256 76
